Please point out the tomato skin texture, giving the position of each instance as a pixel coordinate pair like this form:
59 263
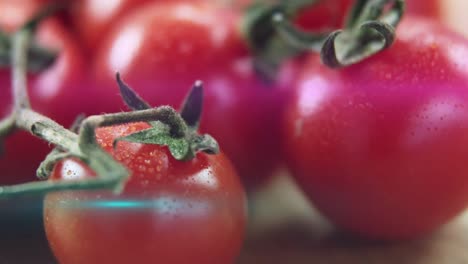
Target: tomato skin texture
325 15
185 211
380 147
331 14
93 18
177 43
430 9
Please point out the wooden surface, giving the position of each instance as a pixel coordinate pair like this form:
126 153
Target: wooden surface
292 232
283 229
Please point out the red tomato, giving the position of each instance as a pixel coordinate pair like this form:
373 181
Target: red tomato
169 212
331 14
16 13
320 16
325 15
93 18
59 91
426 8
162 49
380 147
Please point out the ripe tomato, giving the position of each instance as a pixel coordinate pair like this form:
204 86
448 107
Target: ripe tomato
59 91
380 147
169 212
15 13
162 48
93 18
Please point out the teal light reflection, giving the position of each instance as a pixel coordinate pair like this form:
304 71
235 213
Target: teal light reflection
119 204
161 205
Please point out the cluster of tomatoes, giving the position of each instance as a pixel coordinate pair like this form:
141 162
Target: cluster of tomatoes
379 146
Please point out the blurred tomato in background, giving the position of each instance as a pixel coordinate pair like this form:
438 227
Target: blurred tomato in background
160 47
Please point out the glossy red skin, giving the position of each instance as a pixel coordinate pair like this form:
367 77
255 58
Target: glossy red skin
196 213
160 53
58 92
93 18
331 14
325 15
380 147
429 8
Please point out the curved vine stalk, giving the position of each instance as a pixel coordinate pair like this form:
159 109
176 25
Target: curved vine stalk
82 145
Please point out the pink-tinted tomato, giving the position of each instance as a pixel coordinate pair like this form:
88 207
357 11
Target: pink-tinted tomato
380 147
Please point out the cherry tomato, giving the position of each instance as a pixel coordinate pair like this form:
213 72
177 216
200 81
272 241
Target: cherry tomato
161 49
15 13
169 212
93 18
59 91
380 147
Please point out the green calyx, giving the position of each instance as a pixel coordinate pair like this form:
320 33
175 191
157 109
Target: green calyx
177 131
183 148
370 28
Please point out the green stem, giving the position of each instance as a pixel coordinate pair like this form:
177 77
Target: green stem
19 64
110 173
355 12
164 114
268 47
46 129
7 125
50 186
370 10
369 30
47 166
296 38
